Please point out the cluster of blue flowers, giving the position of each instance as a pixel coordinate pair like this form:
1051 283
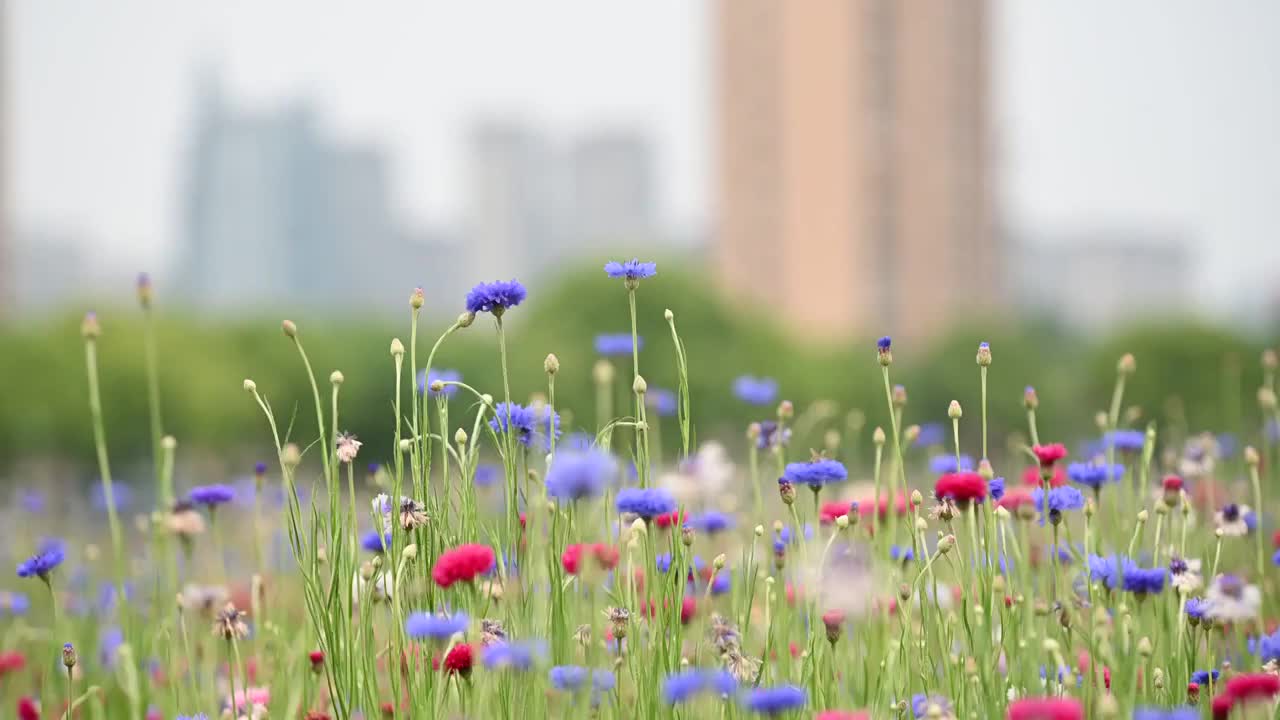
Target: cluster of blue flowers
687 685
815 474
645 502
437 627
755 391
575 475
1095 475
610 344
535 433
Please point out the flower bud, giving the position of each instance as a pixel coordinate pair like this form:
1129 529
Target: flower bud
336 377
921 524
911 433
1143 515
460 437
899 396
436 386
904 592
1030 400
758 530
842 522
1251 456
884 350
719 561
639 386
249 385
410 551
668 315
877 436
406 445
946 543
1266 398
1270 361
416 300
145 290
487 399
786 410
985 470
69 656
168 442
397 348
289 328
1144 647
89 327
787 492
1127 365
917 499
686 536
953 410
831 440
465 319
984 354
551 365
290 455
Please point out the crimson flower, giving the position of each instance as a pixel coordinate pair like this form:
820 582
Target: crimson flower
1046 709
962 487
606 556
464 562
459 660
1049 454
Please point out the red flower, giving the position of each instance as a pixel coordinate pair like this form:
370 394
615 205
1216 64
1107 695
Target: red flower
1049 454
1193 692
321 715
524 520
464 562
316 657
832 510
606 556
27 709
459 660
842 715
12 661
1275 539
1221 706
1046 709
869 506
666 520
1253 686
1031 476
1014 498
688 608
963 487
1172 483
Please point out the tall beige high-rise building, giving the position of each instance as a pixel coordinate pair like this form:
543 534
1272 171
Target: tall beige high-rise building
854 190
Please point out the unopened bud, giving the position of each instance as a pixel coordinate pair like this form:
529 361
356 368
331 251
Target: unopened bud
1144 647
145 290
1251 456
917 498
1030 400
168 442
290 455
336 377
877 436
985 470
289 328
842 522
686 536
911 434
416 300
787 492
921 524
465 319
719 561
397 348
460 437
786 410
1127 365
1090 507
1266 398
1270 361
249 385
436 386
1143 515
946 543
551 365
984 354
487 399
69 656
410 551
899 395
406 445
639 386
89 327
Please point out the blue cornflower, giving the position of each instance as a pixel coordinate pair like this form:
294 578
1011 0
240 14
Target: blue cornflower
645 502
1267 646
121 494
884 344
1275 559
212 495
439 627
686 685
770 436
815 473
1094 475
1130 441
720 584
1059 500
49 556
1183 712
197 716
755 391
495 297
1105 569
427 377
995 488
617 344
920 704
901 553
109 642
931 434
571 677
507 655
631 270
1202 677
775 700
487 475
663 563
531 431
31 501
1142 580
575 475
711 522
375 542
942 464
662 401
1196 608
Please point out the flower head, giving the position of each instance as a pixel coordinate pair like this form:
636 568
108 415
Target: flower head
631 270
662 401
1094 475
1142 581
996 488
617 344
575 475
1233 519
711 522
645 502
961 487
1105 569
532 431
1202 677
1129 441
437 627
459 659
688 684
49 556
815 473
1045 709
507 655
495 297
212 495
1230 599
463 563
755 391
775 700
346 447
376 542
605 557
947 463
1049 454
229 624
1057 501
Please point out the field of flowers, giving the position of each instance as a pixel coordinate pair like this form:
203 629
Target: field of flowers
502 556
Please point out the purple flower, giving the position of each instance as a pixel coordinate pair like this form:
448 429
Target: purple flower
575 475
212 495
495 297
632 270
775 700
375 542
942 464
1142 580
1094 475
645 502
617 344
754 390
661 401
995 488
711 522
437 627
1130 441
815 474
507 655
530 430
49 556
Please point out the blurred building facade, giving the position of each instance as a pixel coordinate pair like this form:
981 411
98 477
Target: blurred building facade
275 210
1098 280
854 190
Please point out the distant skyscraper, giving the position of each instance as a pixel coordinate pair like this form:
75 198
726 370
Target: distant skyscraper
853 161
612 196
275 210
515 216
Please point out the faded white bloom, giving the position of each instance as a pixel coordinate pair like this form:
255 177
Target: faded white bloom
347 447
1184 575
1231 599
1231 520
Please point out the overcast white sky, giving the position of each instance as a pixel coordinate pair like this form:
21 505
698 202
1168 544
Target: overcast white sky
1151 114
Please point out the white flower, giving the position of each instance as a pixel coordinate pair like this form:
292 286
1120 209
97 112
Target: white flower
383 586
347 447
1185 576
1230 599
1231 520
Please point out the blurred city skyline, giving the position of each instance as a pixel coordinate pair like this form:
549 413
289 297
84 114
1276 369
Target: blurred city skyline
1137 132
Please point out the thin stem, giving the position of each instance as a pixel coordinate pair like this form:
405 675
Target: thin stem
897 447
104 469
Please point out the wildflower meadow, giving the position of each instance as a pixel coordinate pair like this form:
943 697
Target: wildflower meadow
502 556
